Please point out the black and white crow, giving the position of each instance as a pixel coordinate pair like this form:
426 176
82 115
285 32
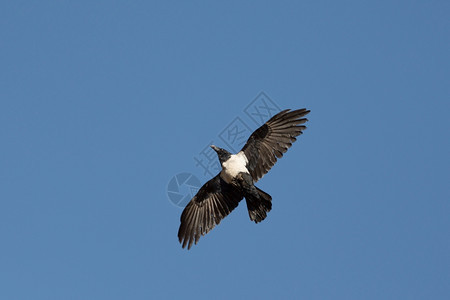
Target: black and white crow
220 195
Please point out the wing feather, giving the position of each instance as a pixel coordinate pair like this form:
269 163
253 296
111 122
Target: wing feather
213 202
270 141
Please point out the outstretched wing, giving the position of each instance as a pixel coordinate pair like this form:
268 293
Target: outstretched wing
272 139
213 202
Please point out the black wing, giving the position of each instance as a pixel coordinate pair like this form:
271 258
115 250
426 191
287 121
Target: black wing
272 139
213 202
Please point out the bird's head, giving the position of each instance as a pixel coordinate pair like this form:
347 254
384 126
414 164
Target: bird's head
223 154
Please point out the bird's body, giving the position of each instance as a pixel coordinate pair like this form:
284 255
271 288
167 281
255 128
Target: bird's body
233 166
220 195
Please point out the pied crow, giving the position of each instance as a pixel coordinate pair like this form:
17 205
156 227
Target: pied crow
220 195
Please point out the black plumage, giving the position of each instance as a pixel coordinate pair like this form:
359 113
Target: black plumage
272 139
220 195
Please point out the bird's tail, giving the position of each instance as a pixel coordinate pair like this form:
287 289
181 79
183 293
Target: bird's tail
258 207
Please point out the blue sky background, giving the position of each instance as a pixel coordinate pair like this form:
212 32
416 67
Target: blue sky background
102 103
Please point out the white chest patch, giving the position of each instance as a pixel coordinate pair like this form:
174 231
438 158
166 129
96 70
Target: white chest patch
233 166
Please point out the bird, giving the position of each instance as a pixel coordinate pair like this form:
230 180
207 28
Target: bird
222 194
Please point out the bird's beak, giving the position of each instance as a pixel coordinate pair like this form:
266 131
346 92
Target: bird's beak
214 147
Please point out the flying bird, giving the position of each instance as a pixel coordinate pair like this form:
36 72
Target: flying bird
220 195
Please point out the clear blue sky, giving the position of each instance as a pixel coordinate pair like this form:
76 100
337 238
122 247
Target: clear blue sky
102 103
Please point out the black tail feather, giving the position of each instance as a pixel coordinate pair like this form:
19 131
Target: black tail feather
258 207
